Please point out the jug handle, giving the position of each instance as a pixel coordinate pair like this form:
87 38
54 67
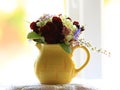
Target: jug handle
87 58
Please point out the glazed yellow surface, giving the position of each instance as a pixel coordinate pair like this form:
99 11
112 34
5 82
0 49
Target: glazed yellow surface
55 66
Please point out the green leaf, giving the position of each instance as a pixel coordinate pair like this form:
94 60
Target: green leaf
41 40
33 35
66 47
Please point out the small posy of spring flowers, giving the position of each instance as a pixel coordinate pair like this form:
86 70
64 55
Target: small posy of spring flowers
57 29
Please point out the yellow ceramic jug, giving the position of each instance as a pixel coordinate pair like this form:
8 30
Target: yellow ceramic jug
55 66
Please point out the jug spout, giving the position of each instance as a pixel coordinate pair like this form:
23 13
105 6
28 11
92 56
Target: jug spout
39 46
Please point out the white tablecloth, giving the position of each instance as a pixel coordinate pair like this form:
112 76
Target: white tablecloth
48 87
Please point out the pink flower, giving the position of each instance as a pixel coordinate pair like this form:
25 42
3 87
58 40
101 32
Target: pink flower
65 31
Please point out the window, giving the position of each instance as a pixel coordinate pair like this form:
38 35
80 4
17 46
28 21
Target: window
16 55
89 12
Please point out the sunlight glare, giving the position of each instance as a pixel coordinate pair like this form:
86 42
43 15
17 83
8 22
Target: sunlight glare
8 5
111 40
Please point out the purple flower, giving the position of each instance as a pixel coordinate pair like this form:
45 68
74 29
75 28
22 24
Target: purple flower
76 34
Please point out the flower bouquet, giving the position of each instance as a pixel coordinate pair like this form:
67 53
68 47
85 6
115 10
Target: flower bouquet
59 29
52 29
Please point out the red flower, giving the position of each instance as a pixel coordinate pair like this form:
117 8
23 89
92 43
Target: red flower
77 24
34 27
57 21
69 18
52 33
